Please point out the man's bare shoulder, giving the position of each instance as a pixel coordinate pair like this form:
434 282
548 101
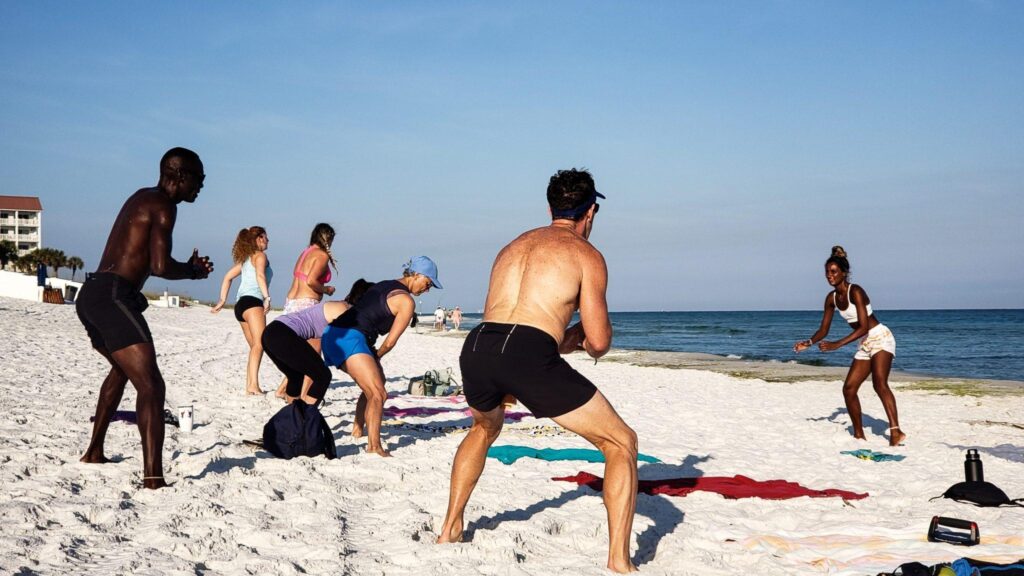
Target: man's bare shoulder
149 203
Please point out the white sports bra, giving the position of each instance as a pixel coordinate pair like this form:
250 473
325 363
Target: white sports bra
850 314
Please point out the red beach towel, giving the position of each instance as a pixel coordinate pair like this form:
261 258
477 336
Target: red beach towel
734 487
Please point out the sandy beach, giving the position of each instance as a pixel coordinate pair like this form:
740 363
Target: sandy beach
233 509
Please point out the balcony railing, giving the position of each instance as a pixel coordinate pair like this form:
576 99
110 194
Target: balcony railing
28 237
28 221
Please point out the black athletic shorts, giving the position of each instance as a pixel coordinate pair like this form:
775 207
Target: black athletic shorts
111 308
296 359
499 359
244 303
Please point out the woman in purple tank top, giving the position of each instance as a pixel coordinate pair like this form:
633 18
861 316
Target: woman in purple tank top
286 342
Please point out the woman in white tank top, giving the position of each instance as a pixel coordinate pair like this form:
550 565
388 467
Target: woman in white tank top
876 350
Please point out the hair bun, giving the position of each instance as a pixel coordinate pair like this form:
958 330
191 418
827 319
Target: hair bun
838 252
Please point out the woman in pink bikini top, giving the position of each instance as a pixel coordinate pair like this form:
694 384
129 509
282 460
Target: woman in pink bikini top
312 271
309 283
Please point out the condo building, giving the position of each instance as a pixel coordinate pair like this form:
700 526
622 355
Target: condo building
21 222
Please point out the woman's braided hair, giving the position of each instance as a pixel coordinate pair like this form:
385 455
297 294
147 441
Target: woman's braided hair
323 237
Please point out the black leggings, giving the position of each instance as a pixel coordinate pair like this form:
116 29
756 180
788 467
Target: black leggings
297 359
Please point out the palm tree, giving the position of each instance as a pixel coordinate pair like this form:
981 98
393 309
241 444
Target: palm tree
57 261
8 252
51 258
76 264
26 263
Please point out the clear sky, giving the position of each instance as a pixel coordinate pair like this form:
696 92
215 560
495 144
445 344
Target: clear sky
736 141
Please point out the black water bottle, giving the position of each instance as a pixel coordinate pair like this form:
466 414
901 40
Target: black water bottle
972 467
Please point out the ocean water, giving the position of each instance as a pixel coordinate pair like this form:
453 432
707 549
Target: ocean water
985 344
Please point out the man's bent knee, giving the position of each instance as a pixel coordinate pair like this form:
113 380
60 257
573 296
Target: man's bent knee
623 440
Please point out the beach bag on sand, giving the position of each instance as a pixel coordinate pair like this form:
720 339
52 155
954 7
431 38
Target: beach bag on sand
961 566
983 494
299 429
434 383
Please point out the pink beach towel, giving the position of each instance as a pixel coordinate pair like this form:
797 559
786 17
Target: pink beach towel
391 412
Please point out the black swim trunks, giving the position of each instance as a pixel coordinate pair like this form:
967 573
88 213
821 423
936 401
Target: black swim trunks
111 308
499 359
243 304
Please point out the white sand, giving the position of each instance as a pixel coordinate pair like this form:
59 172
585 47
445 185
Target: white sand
234 510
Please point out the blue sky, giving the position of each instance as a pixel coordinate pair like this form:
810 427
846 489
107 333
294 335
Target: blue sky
736 141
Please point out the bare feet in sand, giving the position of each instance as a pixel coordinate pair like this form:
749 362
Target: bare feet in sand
622 568
254 392
94 458
451 534
896 436
357 431
379 451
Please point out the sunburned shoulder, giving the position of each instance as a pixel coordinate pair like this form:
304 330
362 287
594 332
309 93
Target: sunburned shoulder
553 236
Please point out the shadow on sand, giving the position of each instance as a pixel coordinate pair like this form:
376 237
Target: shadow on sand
659 509
1007 452
872 424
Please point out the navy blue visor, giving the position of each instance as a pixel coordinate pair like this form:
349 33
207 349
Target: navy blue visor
575 213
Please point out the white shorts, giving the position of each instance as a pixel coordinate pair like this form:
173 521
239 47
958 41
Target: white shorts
878 339
292 305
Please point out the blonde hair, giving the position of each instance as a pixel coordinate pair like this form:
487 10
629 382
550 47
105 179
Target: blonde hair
245 243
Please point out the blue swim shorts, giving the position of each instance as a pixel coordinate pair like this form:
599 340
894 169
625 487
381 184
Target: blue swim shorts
340 344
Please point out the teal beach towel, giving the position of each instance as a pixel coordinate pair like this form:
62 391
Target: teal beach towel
509 454
865 454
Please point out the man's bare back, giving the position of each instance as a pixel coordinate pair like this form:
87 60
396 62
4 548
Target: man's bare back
543 276
537 282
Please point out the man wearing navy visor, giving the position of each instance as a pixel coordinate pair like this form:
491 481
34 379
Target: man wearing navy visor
538 282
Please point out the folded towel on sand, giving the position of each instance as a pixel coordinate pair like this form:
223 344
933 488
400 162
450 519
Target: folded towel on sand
734 487
131 417
509 454
865 454
391 412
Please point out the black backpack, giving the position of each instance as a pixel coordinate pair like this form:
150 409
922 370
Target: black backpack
299 429
980 494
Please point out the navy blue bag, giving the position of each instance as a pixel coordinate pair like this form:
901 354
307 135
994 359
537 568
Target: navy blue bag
299 429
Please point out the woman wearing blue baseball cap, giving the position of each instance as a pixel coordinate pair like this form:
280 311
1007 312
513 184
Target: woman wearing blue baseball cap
348 342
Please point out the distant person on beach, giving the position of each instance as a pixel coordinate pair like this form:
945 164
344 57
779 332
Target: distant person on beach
439 318
457 317
287 342
110 304
348 343
309 281
537 283
875 352
253 298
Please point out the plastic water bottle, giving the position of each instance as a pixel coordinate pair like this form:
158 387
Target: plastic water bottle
972 467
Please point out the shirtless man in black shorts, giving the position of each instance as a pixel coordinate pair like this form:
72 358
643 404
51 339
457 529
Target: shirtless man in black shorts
537 283
110 304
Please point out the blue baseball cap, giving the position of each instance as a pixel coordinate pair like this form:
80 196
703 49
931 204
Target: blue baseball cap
425 266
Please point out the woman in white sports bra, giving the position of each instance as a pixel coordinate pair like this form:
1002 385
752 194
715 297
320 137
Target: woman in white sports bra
876 349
